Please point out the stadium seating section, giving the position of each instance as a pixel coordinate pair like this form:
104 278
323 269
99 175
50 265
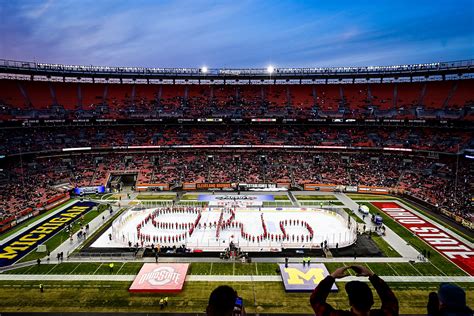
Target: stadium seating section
416 100
40 170
50 138
429 179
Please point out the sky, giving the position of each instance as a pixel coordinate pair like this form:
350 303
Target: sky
236 34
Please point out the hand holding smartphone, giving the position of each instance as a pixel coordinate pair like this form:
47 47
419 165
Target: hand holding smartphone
362 271
239 307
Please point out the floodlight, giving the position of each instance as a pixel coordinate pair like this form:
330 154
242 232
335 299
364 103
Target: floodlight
270 69
204 70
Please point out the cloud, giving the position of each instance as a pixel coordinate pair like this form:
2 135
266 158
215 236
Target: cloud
35 9
234 33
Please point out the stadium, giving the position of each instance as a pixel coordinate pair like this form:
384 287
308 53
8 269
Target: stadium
123 186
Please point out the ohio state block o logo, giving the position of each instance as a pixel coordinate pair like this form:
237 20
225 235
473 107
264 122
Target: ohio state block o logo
160 276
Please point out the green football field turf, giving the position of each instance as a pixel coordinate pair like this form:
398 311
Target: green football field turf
262 297
270 297
223 268
325 197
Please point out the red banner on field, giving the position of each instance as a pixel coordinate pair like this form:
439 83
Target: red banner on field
160 277
459 253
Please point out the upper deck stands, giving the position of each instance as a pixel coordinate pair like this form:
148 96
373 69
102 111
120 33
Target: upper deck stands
449 99
66 95
463 94
11 94
39 94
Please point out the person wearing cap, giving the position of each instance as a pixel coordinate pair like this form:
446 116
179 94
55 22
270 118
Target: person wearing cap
450 300
360 296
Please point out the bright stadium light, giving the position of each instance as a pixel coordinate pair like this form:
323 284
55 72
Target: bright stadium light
204 70
270 69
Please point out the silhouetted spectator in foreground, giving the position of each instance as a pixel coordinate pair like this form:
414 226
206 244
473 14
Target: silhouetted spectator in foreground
359 293
222 301
450 300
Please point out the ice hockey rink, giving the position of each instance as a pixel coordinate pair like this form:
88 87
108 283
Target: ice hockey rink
213 228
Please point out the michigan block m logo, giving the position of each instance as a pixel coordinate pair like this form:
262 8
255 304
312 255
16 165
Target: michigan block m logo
296 276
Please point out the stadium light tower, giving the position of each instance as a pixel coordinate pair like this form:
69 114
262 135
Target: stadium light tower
270 69
204 70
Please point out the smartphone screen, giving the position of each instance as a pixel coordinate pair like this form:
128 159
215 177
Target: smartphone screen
238 301
238 306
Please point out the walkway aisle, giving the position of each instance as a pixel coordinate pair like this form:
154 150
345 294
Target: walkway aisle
395 241
67 247
293 199
225 278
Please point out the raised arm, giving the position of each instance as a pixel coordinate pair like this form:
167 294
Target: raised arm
388 298
321 292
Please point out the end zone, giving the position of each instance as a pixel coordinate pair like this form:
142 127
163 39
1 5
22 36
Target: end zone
451 248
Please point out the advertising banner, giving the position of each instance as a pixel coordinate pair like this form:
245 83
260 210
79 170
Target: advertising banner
373 190
152 186
319 187
189 186
213 185
299 278
351 189
89 190
236 200
160 277
234 197
259 185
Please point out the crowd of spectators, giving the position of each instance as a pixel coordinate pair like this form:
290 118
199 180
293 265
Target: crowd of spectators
443 182
30 139
22 191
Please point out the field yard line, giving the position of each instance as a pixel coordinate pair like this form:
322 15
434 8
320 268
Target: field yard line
438 268
120 268
97 268
350 270
75 268
368 266
52 268
256 268
415 268
396 273
210 270
233 268
31 267
224 278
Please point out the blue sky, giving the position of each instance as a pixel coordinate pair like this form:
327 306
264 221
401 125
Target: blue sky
239 33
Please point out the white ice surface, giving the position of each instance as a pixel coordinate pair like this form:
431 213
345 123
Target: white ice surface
326 226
